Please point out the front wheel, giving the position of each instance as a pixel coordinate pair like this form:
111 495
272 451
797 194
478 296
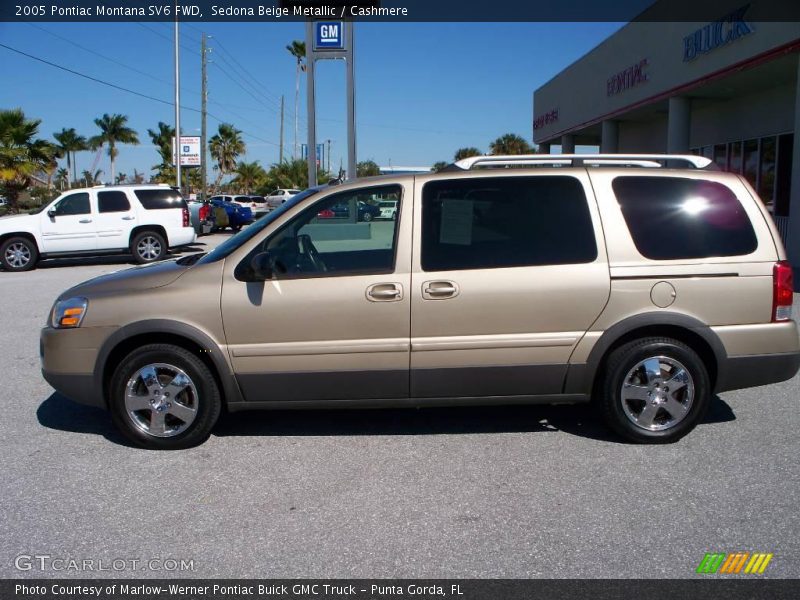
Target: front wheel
656 390
148 246
18 254
164 397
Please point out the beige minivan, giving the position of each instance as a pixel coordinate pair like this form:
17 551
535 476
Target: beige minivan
646 283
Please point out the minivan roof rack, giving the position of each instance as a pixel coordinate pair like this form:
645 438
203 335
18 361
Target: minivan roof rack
582 160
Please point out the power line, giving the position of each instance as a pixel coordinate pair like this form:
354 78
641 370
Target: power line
123 89
108 58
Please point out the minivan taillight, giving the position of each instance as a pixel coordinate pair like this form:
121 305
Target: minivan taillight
782 291
185 217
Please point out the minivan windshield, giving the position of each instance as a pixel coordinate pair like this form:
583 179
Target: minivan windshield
226 248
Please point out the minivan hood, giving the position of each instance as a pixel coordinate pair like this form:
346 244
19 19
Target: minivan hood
143 277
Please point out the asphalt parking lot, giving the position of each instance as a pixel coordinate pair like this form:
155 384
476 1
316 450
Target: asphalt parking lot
473 492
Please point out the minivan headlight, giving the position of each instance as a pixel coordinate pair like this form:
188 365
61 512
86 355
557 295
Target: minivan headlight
68 313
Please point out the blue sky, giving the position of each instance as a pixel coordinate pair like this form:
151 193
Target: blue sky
422 89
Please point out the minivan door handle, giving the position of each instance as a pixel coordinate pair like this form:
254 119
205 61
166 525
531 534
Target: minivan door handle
128 218
385 292
439 290
85 221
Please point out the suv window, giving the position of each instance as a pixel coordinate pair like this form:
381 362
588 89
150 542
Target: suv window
113 202
74 204
496 222
321 241
676 218
160 199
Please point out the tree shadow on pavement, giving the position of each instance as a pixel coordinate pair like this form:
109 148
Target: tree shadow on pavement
58 412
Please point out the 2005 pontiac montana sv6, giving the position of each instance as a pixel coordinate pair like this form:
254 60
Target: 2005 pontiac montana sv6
644 282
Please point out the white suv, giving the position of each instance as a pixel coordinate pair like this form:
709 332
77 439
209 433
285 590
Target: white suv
279 196
144 220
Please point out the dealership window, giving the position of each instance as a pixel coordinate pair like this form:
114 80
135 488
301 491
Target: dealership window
672 218
750 168
496 222
765 162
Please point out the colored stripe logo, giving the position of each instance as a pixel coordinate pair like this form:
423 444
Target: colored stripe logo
734 563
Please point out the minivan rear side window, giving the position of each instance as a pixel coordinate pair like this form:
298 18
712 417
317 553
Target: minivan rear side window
495 222
678 218
160 199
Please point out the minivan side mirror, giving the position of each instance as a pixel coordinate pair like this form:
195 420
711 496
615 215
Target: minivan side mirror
261 266
51 213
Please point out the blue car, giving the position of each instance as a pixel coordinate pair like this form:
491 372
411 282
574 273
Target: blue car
366 212
238 216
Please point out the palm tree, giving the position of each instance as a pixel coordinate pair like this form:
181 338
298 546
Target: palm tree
292 174
162 139
249 175
70 142
22 154
92 178
113 131
225 147
510 143
298 50
367 168
462 153
122 177
438 166
62 178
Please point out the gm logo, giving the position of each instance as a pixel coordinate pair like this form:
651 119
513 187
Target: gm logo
329 35
735 563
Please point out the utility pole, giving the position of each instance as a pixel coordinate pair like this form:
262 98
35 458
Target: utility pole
280 151
328 153
177 107
203 116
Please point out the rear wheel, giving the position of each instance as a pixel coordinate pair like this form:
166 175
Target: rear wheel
18 254
655 390
148 246
164 397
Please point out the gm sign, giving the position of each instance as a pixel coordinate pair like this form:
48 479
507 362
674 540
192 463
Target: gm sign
329 35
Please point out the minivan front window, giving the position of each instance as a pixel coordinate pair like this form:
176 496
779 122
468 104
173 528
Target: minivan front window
232 244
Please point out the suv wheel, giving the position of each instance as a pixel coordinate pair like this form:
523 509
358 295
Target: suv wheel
18 254
164 397
655 390
148 246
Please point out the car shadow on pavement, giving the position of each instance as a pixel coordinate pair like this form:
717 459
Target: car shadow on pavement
112 259
60 413
580 420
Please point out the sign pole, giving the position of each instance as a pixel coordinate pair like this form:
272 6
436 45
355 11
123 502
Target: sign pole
351 101
177 107
311 59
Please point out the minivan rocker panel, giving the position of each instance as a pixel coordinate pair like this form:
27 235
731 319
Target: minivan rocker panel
491 286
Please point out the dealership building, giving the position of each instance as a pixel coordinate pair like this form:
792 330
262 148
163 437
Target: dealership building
728 89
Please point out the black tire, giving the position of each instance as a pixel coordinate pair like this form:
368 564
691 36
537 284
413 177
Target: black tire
236 228
207 402
148 246
367 217
19 254
664 406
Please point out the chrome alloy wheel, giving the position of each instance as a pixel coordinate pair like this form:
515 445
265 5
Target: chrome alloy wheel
18 255
657 393
161 400
149 248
